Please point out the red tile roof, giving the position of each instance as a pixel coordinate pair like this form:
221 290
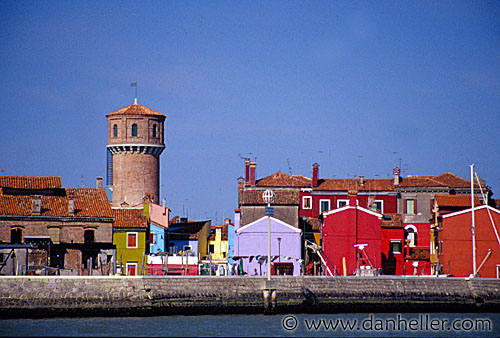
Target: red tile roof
280 179
448 179
395 220
129 218
88 203
224 231
136 109
462 201
355 184
30 182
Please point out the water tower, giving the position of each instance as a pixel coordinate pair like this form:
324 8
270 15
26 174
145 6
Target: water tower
135 143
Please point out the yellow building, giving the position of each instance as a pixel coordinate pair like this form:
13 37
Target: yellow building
130 230
217 244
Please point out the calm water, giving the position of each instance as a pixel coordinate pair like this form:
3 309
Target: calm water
465 325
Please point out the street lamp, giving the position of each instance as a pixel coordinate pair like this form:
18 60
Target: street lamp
279 249
268 197
304 219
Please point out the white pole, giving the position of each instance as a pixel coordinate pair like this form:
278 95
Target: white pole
473 228
268 245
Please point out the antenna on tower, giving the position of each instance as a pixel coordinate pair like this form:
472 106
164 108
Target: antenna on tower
134 84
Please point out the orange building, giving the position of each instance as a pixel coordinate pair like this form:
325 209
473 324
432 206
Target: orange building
455 252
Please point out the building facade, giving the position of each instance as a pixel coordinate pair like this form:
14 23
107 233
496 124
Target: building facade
68 231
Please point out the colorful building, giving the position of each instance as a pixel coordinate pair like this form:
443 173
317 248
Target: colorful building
352 239
130 236
48 229
455 250
251 247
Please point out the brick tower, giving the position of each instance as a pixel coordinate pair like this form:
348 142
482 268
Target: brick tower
135 142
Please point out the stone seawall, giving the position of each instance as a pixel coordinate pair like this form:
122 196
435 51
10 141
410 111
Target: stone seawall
149 295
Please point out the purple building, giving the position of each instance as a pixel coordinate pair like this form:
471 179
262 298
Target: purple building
251 247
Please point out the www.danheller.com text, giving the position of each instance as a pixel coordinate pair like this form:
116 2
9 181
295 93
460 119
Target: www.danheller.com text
420 322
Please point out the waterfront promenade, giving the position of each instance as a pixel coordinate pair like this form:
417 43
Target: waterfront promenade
44 296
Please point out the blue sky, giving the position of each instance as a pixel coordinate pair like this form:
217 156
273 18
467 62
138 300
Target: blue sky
353 85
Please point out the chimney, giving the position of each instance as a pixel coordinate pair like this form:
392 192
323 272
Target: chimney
315 175
353 198
252 173
361 180
36 205
71 206
237 217
227 221
164 205
247 170
98 183
397 178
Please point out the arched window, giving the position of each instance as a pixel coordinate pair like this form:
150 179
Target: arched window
115 131
16 236
89 236
411 235
134 129
154 131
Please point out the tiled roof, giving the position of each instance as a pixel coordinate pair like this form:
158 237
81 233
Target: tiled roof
30 182
135 109
280 179
315 223
448 180
224 231
88 203
281 197
395 220
332 184
129 218
455 201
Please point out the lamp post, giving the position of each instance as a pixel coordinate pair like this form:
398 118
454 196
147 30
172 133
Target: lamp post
304 219
268 197
279 249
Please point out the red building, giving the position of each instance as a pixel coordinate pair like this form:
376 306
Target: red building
455 242
352 238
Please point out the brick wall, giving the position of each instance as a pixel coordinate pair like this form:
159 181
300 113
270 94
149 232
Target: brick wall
45 296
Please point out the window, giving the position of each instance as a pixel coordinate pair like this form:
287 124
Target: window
211 248
342 203
324 205
115 131
411 235
134 129
187 247
498 269
16 236
132 239
155 127
306 202
377 206
131 269
153 238
410 207
396 247
89 236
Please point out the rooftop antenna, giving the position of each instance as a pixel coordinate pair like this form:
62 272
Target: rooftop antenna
359 164
82 183
289 167
134 84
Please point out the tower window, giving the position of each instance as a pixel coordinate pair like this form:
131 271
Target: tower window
134 129
115 131
16 236
154 131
